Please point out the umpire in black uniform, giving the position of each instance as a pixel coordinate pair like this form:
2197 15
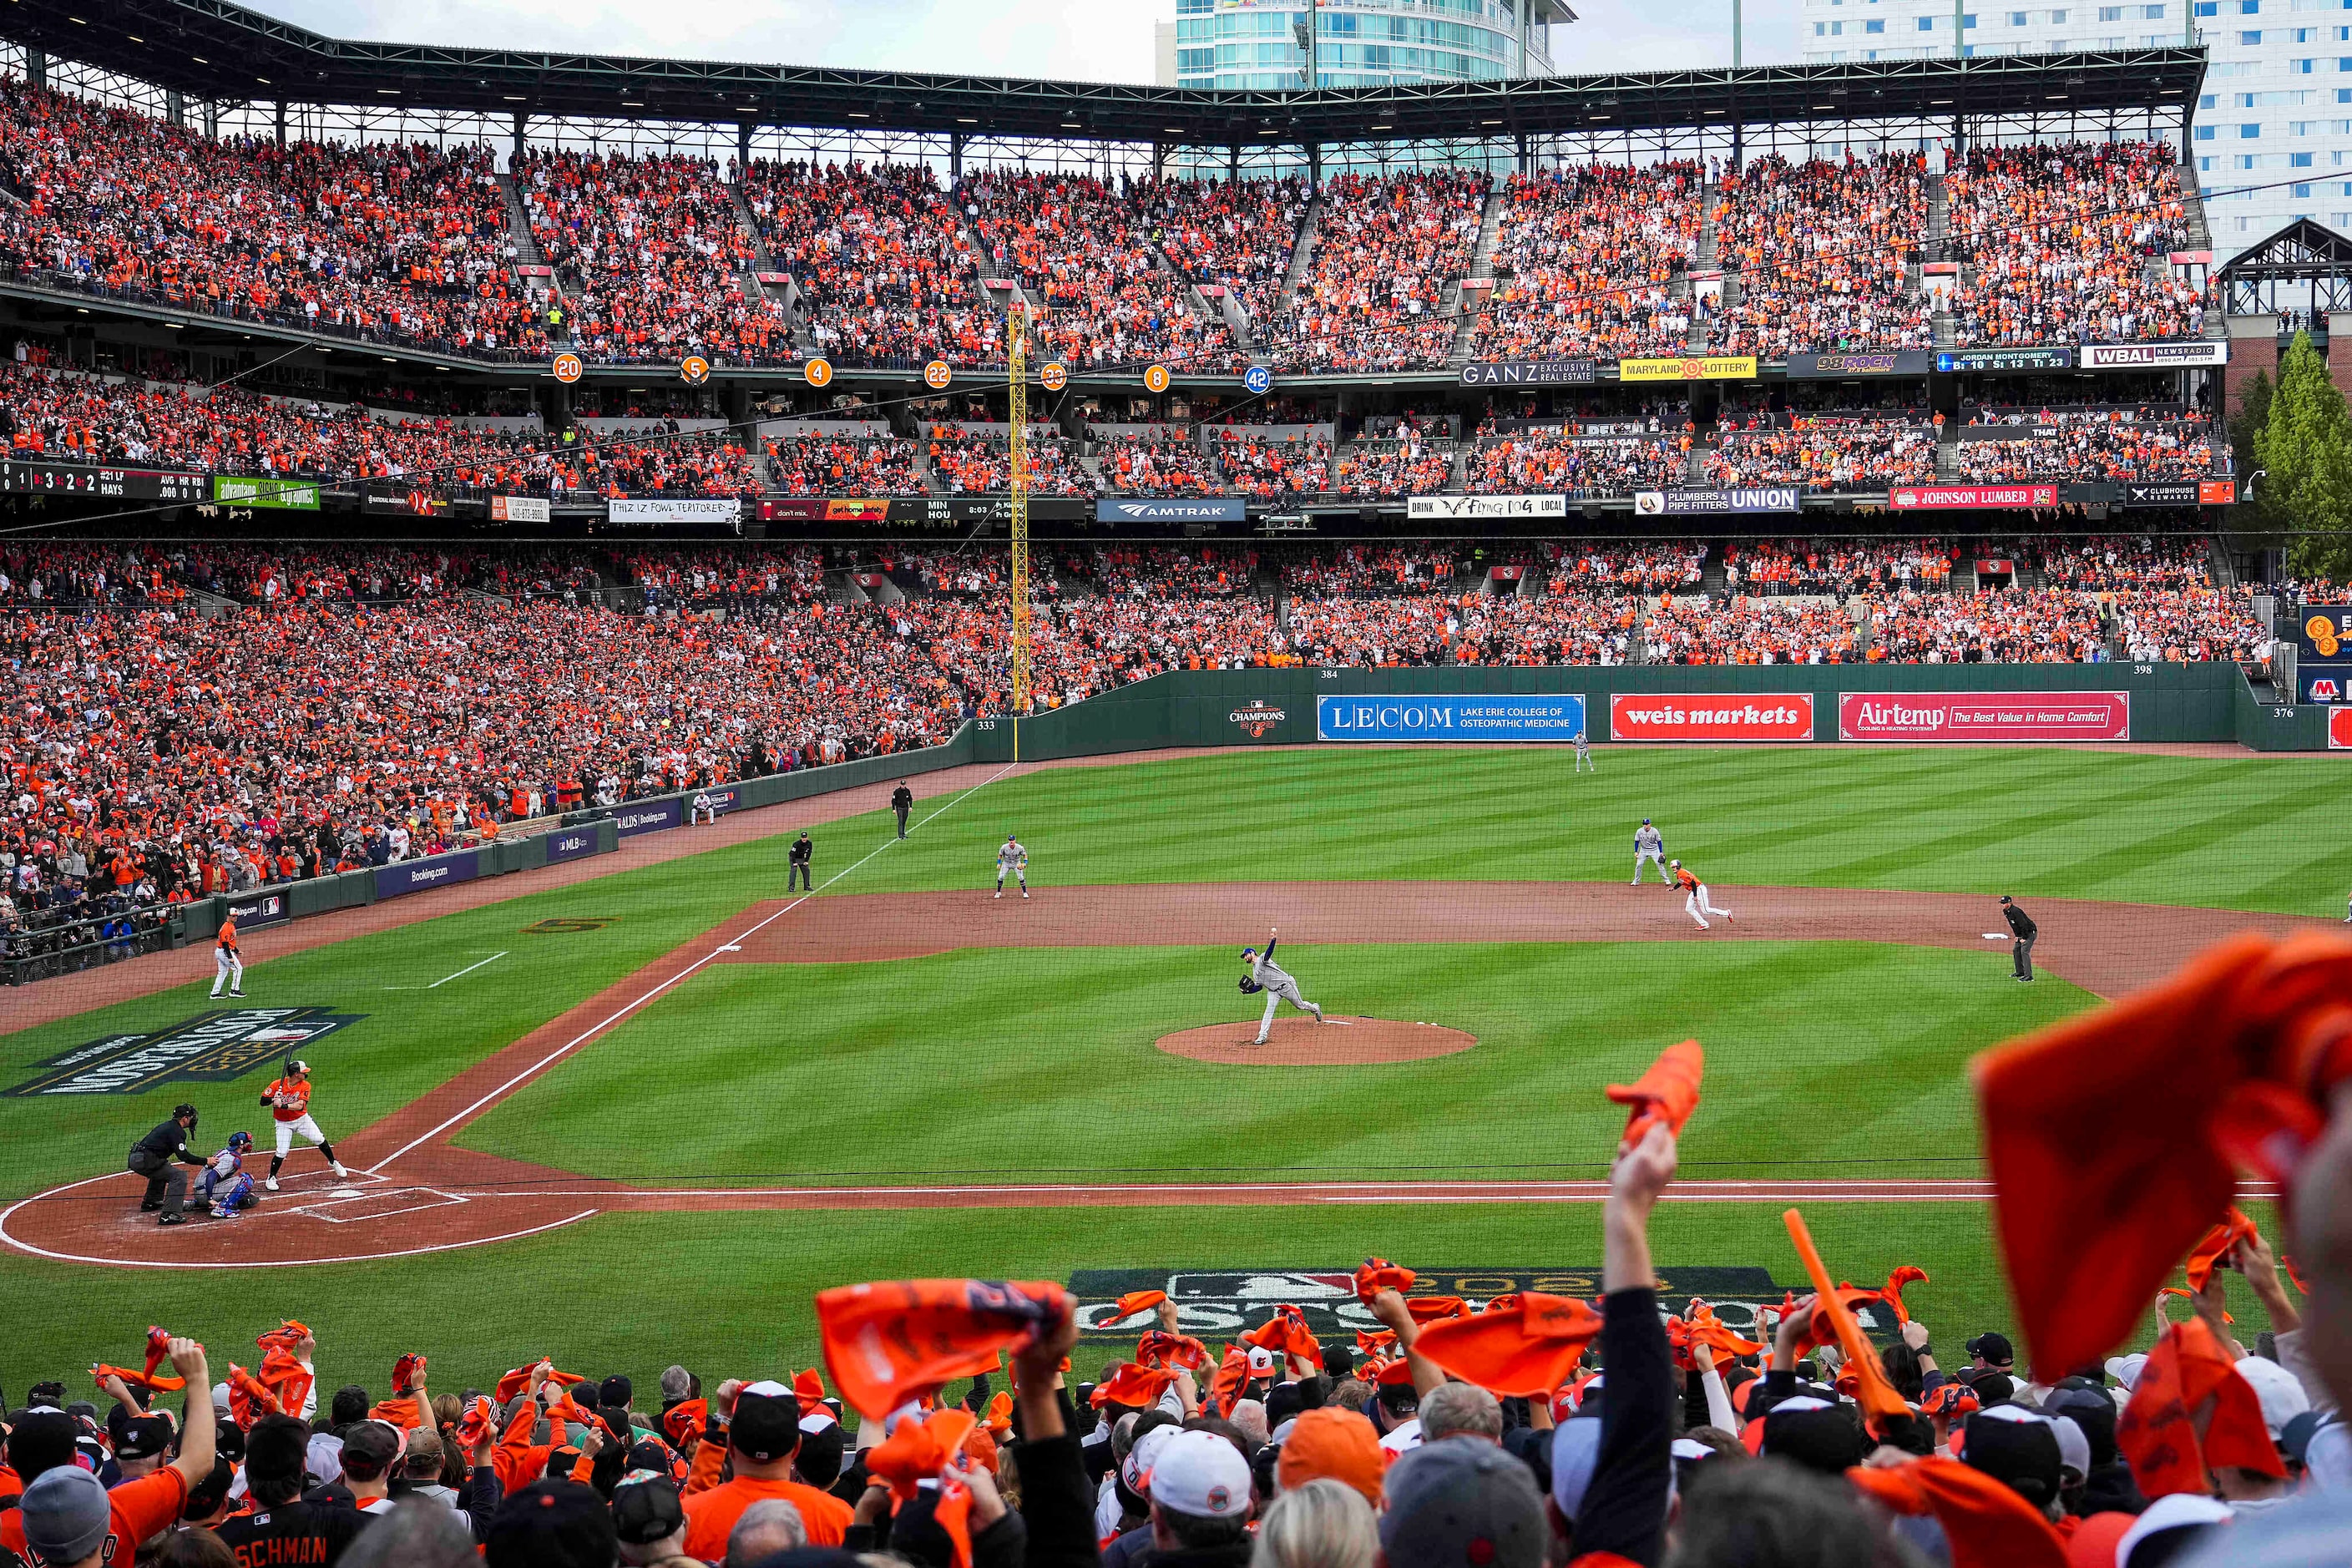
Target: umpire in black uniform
902 801
162 1157
2022 925
798 874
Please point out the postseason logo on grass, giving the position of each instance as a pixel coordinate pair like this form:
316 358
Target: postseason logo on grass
1216 1305
211 1048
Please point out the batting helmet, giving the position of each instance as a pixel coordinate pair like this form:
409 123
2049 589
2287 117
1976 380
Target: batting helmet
299 1068
1675 864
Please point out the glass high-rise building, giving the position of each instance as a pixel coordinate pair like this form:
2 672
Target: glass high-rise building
2276 111
1262 45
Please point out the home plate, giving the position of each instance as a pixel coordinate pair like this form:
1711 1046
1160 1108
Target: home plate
344 1193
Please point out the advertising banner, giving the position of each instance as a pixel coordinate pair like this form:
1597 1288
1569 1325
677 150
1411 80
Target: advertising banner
684 509
259 909
1836 365
1443 506
2153 356
942 511
1960 360
416 876
801 509
570 844
1935 497
1691 503
2323 635
2183 492
1706 716
282 495
1514 717
1984 715
1531 372
1209 509
111 484
648 816
2340 729
856 510
518 509
2323 683
1719 367
722 800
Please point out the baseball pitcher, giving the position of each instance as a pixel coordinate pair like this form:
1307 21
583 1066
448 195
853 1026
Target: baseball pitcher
1013 860
1695 903
289 1099
1270 977
1649 845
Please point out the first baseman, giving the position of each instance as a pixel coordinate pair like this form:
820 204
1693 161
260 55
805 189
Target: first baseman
1266 975
1695 905
1584 760
228 969
1011 860
289 1099
1649 845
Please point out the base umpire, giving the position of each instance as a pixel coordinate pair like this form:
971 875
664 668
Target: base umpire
163 1158
2022 927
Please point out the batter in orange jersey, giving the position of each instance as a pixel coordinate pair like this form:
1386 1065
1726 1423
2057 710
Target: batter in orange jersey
289 1099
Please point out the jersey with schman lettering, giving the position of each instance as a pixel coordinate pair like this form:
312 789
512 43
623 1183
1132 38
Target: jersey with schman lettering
289 1099
290 1532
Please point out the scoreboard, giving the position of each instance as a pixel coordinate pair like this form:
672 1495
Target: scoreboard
21 478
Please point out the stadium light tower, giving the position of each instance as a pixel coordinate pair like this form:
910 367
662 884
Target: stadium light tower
1735 34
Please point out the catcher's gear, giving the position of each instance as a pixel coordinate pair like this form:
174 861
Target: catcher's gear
1250 987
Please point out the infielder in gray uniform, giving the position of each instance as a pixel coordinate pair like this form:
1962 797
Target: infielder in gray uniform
1584 754
1266 975
1650 849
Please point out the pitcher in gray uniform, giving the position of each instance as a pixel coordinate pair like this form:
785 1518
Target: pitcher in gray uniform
1650 849
1270 977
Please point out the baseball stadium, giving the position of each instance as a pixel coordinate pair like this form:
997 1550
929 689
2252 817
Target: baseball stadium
1551 818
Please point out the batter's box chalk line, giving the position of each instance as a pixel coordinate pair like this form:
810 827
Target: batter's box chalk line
421 1199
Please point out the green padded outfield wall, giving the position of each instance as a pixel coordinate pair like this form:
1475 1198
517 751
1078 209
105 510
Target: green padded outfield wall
2170 702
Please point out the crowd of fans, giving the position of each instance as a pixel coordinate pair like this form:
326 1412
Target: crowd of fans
1240 234
1373 297
1079 248
970 462
834 465
1636 569
1823 455
387 240
1270 467
652 255
2141 561
2090 447
1160 465
1585 258
886 276
1408 466
2060 240
1538 461
1838 568
1820 251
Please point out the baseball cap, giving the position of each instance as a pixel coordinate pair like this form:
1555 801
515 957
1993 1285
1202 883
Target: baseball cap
1135 1470
65 1514
767 1423
2125 1369
1994 1347
1333 1443
1463 1503
1813 1432
2193 1514
647 1511
1202 1475
552 1524
822 1446
1261 1362
143 1437
369 1449
616 1390
2279 1390
2017 1447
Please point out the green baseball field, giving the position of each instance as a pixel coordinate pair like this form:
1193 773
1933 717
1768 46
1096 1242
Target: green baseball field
642 1118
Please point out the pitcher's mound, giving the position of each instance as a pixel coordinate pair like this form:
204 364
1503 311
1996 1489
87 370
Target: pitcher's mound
1304 1043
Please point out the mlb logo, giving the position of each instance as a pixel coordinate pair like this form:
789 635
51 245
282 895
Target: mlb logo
2323 691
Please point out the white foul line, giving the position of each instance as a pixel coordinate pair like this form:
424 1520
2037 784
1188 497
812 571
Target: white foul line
463 973
592 1031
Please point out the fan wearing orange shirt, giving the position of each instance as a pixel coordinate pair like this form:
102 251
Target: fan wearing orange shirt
289 1099
762 1436
109 1525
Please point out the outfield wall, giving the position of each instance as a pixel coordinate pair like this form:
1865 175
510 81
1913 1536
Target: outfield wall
2153 702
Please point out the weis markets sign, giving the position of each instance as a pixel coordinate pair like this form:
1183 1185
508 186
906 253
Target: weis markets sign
1515 717
1984 716
1707 716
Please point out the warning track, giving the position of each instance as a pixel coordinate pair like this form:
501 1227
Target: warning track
416 1191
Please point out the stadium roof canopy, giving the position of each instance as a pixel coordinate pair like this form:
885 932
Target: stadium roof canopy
210 49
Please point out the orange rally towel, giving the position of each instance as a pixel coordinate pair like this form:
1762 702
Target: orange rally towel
1135 1302
1160 1348
2189 1295
406 1370
1287 1333
809 1389
1140 1386
918 1451
1667 1092
2158 1433
2112 1136
682 1422
1230 1377
479 1420
1891 1291
1529 1349
519 1378
400 1411
1432 1309
1379 1274
1986 1523
2215 1245
886 1343
248 1401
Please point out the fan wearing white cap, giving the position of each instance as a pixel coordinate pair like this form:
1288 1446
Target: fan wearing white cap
1200 1490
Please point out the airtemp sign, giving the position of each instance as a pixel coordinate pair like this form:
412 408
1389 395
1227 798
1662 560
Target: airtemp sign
1515 716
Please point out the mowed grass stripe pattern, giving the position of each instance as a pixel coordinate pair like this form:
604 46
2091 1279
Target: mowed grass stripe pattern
1824 1059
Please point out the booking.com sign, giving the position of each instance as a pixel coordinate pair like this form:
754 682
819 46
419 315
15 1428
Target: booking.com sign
1518 716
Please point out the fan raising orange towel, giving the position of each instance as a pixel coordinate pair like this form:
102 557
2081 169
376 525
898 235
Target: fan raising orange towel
1667 1092
890 1342
1529 1349
2158 1431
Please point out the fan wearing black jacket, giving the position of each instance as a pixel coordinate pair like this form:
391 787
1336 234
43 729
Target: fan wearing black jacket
282 1527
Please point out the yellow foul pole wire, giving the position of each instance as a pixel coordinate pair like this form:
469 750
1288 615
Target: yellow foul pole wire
1017 346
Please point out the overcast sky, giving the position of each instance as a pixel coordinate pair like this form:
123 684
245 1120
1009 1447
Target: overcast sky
1099 40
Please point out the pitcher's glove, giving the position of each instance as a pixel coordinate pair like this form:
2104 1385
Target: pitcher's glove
1250 987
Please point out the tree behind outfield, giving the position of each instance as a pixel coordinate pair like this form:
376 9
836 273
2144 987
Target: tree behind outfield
2305 445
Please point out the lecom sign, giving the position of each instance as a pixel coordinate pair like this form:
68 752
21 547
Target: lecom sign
1706 716
1984 716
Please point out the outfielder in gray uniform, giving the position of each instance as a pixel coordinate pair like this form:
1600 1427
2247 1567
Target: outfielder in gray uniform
1584 754
1266 975
1650 849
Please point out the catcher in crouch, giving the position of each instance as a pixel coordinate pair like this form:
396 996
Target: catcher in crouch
1266 975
